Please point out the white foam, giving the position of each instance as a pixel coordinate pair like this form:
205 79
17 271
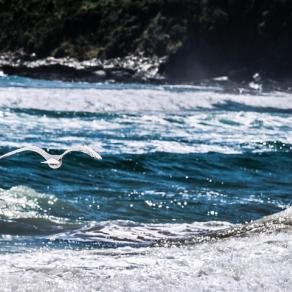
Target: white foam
257 261
185 132
129 100
254 263
129 232
164 120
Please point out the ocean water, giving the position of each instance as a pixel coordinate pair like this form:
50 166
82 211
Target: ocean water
193 192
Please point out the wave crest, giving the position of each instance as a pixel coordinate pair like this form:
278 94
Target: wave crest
23 211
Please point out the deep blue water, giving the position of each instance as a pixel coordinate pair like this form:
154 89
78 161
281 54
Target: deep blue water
171 154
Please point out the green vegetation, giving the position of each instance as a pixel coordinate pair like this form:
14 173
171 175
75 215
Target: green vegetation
201 35
84 29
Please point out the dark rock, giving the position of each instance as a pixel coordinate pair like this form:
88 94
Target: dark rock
201 39
128 69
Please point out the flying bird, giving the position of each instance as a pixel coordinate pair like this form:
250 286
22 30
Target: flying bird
55 161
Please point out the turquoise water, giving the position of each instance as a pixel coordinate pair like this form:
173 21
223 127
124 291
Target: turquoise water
179 162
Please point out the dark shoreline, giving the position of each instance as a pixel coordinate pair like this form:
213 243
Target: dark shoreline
130 69
156 41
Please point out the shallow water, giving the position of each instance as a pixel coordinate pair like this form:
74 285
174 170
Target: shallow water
177 202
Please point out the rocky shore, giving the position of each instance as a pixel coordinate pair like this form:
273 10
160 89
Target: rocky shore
128 69
177 41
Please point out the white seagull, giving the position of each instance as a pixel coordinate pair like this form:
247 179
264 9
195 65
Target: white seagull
55 161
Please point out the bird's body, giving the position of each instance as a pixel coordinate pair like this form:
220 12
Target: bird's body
54 161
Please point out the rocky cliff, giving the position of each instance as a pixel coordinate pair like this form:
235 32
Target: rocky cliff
196 39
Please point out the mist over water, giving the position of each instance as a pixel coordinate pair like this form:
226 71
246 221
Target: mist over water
187 175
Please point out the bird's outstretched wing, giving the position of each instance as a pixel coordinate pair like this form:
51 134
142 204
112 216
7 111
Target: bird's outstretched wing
84 149
36 149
